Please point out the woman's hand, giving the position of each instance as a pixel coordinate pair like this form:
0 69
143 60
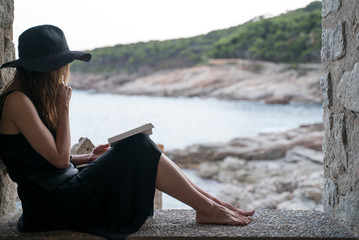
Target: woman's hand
98 151
63 96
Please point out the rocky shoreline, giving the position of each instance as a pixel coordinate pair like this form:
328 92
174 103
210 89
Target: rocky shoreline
270 171
232 79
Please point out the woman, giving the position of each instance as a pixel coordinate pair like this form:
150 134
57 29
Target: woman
113 195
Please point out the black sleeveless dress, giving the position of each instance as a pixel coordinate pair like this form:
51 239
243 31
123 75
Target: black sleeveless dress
111 197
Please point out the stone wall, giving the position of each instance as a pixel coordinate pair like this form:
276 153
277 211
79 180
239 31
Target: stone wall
7 53
340 86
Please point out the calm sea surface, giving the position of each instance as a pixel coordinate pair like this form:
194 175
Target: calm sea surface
180 122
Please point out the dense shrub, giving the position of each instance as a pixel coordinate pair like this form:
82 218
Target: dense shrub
290 37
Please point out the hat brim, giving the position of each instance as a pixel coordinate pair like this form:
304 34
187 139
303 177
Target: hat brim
49 63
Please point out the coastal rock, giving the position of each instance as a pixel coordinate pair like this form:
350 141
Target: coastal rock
275 193
232 164
299 204
231 194
208 169
232 170
311 193
300 153
262 147
291 177
235 79
285 184
314 179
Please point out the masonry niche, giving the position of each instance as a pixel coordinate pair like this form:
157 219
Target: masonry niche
340 86
7 53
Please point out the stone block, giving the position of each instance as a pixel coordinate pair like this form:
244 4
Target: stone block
6 13
326 87
348 89
329 196
84 146
347 210
339 146
8 194
356 36
354 156
329 6
333 43
157 201
180 224
328 125
356 29
9 49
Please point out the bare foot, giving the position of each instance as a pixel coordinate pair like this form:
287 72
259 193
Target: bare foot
221 215
237 210
233 208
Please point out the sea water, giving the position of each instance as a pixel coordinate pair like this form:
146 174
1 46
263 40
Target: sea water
180 122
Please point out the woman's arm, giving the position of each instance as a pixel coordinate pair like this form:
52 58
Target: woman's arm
63 135
85 158
80 159
21 112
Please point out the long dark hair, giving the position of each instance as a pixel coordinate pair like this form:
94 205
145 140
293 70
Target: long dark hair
42 88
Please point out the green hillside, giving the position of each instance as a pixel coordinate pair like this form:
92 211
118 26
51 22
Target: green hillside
291 37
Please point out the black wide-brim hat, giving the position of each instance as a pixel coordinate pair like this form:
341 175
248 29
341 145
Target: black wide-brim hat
43 49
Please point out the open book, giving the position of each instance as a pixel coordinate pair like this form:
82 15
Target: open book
145 129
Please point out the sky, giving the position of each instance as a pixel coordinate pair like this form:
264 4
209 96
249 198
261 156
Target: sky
89 24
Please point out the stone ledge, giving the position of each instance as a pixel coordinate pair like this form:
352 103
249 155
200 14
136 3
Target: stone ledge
180 224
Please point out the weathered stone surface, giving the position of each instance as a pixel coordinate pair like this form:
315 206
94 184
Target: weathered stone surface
348 89
9 54
266 224
338 164
354 156
293 181
8 192
157 201
84 146
208 169
329 196
356 29
340 146
347 209
329 6
264 146
333 43
300 153
220 78
180 224
325 85
6 13
276 185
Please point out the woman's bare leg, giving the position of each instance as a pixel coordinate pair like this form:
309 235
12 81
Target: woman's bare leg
225 204
173 182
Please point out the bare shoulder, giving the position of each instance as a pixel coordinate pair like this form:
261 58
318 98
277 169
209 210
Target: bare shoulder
18 106
17 95
17 99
